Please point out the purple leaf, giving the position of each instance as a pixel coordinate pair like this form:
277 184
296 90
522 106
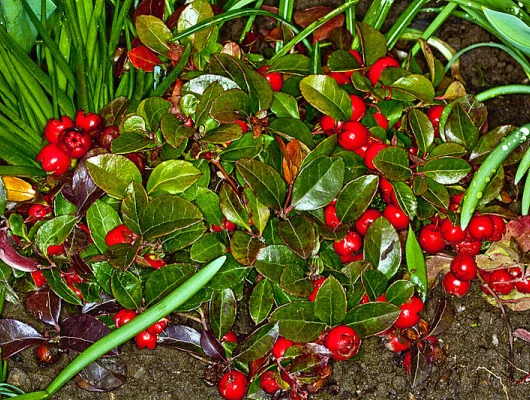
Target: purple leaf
107 305
45 305
103 375
150 7
10 256
81 331
82 191
81 267
181 337
76 242
212 346
420 365
16 336
442 319
522 334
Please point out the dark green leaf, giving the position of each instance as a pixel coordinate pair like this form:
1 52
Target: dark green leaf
3 197
285 105
318 183
447 150
298 321
163 281
229 105
354 164
101 218
355 198
257 344
292 128
436 194
261 301
488 142
265 182
102 272
374 283
393 163
295 64
122 255
258 212
131 142
399 292
382 247
323 93
222 312
223 134
406 198
152 110
61 206
372 318
272 260
126 289
207 248
59 286
330 302
133 203
193 14
232 208
324 148
209 205
416 264
230 275
245 248
295 282
413 87
173 176
447 170
298 234
113 173
174 130
183 237
53 232
422 129
342 60
153 33
245 147
372 41
166 214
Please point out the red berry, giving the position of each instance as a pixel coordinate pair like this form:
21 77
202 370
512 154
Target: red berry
38 211
340 78
89 122
371 152
481 227
351 243
55 250
330 216
281 346
329 125
144 340
76 291
155 261
230 337
157 327
358 108
397 342
216 228
387 190
499 228
357 56
353 136
120 235
124 316
55 127
396 217
316 285
471 248
464 267
275 78
409 313
501 281
434 113
455 286
77 143
108 135
452 233
243 125
54 159
268 382
233 385
431 240
515 272
381 120
228 225
375 70
343 342
365 220
406 361
523 286
38 278
47 353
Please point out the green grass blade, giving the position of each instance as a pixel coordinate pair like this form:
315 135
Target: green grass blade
403 22
525 201
22 171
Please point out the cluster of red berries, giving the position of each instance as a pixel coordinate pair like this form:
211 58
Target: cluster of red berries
146 339
72 139
504 281
123 235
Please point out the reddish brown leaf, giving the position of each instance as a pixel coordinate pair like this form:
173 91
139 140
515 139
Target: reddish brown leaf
174 18
103 375
142 57
519 230
150 7
16 336
306 17
81 331
45 305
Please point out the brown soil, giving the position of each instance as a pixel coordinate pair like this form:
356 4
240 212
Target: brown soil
476 344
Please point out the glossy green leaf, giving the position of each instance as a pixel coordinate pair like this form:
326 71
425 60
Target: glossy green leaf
223 134
298 234
325 148
436 194
258 212
257 344
133 203
183 238
152 110
113 173
374 283
272 260
126 289
285 105
511 28
292 128
330 302
382 247
232 208
406 198
53 232
295 282
355 198
230 275
323 93
163 281
130 142
265 182
229 105
166 214
318 183
174 130
61 206
153 33
447 150
207 248
172 176
245 248
416 264
422 129
122 255
222 312
393 163
295 64
399 292
209 205
372 318
459 128
193 14
342 60
413 87
372 41
447 170
261 301
59 286
298 321
101 218
102 272
246 147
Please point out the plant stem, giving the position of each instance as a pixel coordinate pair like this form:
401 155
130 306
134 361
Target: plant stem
178 297
228 178
502 90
